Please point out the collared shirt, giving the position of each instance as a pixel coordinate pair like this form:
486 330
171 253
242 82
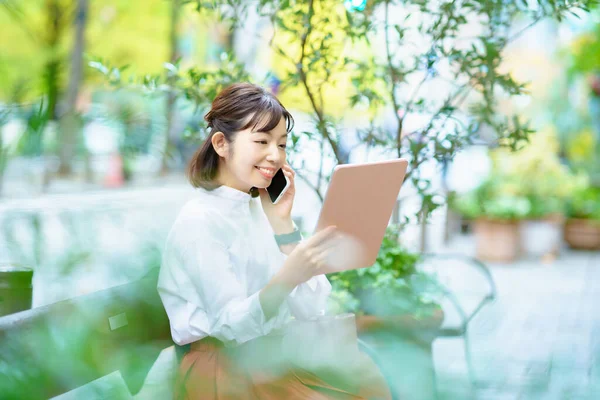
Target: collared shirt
220 252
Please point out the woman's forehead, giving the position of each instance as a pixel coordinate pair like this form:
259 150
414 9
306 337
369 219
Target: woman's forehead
262 126
264 121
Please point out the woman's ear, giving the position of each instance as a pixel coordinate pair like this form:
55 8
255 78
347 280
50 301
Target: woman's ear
220 144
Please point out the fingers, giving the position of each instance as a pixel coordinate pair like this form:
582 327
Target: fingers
289 172
319 265
321 256
331 241
319 249
321 236
317 260
286 167
339 253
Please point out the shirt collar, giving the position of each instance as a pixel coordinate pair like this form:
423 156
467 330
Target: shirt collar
226 192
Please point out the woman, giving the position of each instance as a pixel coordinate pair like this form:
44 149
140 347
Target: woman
233 276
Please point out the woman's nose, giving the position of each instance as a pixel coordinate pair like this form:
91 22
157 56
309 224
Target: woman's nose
274 154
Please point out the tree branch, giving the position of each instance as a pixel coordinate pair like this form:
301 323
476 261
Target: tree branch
394 79
300 66
416 163
317 190
520 32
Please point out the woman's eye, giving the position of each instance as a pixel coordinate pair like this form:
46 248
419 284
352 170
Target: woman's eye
283 146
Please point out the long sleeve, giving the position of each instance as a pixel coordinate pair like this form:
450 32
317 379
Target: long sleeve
215 304
309 299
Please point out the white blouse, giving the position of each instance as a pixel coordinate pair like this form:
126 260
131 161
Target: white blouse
219 254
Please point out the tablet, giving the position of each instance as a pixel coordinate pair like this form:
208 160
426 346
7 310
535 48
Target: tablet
360 200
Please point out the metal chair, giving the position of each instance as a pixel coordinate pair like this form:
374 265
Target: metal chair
464 312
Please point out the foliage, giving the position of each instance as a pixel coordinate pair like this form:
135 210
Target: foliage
131 113
589 162
583 54
438 62
444 53
580 148
26 35
537 173
490 200
425 45
197 85
584 203
529 183
4 114
581 138
392 286
35 118
435 62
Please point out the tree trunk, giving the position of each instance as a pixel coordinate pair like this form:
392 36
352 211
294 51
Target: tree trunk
3 158
423 230
54 29
171 97
396 214
70 124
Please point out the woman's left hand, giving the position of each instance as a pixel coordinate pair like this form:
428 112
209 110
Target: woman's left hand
281 212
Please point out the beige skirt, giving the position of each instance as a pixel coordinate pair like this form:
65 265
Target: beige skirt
257 370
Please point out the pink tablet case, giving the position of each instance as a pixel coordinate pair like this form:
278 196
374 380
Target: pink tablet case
359 201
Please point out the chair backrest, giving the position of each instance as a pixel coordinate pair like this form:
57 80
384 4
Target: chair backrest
50 350
468 285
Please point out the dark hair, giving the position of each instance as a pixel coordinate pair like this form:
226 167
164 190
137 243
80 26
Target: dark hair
237 107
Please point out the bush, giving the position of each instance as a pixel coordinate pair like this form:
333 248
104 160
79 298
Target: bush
491 200
584 203
392 286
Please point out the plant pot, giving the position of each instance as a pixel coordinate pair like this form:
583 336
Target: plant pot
542 237
496 240
15 288
402 323
582 234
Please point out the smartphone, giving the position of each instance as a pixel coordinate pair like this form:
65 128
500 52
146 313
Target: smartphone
279 185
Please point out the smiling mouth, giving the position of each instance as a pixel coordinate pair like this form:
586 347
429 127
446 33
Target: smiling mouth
266 173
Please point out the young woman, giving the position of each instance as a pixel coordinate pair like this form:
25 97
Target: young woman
233 276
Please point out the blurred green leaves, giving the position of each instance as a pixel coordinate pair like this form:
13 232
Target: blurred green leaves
488 201
529 183
392 286
196 84
321 46
584 203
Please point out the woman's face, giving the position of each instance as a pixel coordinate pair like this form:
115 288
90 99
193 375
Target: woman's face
252 159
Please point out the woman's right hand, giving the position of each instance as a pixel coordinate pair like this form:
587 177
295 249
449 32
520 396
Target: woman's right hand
326 251
310 257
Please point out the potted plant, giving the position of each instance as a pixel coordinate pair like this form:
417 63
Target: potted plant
496 213
391 293
537 173
542 227
582 228
397 314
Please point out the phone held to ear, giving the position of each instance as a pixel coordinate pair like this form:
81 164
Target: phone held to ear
279 185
